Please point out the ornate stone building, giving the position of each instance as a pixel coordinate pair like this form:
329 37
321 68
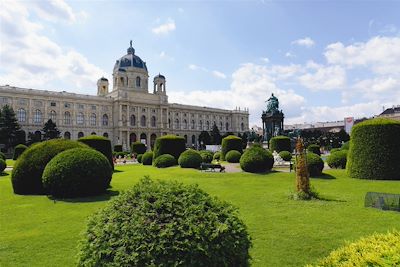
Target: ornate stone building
126 114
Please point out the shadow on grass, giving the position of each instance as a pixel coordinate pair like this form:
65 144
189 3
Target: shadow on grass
104 197
324 176
4 174
117 170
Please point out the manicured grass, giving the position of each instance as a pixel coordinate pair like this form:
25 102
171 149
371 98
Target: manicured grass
10 162
36 231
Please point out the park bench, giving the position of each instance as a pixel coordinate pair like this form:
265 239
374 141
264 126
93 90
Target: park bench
211 167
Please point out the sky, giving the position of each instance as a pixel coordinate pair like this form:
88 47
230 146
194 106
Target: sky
324 60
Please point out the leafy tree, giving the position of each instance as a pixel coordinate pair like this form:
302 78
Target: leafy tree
215 135
50 130
204 138
10 130
34 137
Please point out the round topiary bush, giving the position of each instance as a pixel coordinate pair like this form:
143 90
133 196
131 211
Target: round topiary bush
147 158
206 156
256 159
27 173
165 224
18 150
315 164
3 165
2 156
164 161
190 159
374 150
285 155
280 143
217 155
314 149
374 250
229 143
138 148
169 144
101 144
233 156
337 159
77 172
139 158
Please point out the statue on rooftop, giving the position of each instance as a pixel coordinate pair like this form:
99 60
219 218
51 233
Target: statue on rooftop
272 104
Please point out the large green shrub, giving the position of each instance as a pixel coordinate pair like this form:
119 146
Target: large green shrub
2 156
346 145
190 159
18 149
27 173
375 150
138 148
217 155
256 159
315 164
169 144
229 143
314 149
280 143
164 161
101 144
206 156
3 165
147 158
333 150
233 156
165 224
118 148
337 159
139 158
285 155
374 250
77 172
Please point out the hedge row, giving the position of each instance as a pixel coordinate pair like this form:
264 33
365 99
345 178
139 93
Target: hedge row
231 142
280 143
101 144
169 144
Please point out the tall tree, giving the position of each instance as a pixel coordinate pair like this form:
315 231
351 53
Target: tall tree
10 130
50 130
215 135
204 138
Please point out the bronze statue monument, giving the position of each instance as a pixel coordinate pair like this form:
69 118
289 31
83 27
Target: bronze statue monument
272 119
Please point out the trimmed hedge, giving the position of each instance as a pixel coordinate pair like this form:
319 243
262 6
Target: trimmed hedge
314 149
77 172
256 159
147 158
27 173
165 223
233 156
374 250
231 142
139 158
164 161
138 148
285 155
118 148
337 159
315 164
190 159
3 165
101 144
206 156
374 150
169 144
333 150
280 143
217 155
346 145
18 150
2 156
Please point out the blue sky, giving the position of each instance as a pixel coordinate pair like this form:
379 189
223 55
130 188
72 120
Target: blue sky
324 60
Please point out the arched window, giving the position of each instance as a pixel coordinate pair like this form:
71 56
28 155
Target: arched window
185 136
67 118
67 135
193 139
242 126
176 124
185 124
138 81
80 118
105 135
37 116
121 79
208 125
143 121
92 119
133 120
53 116
93 133
80 135
169 123
200 125
21 115
104 120
143 138
153 138
132 138
193 124
124 122
226 126
153 121
220 125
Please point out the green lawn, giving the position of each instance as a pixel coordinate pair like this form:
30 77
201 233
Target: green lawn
36 231
10 162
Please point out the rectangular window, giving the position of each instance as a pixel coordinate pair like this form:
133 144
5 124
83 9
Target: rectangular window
94 107
67 105
81 106
53 104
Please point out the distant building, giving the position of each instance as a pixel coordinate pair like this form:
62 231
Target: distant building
391 113
329 126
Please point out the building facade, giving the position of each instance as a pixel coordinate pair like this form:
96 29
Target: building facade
127 113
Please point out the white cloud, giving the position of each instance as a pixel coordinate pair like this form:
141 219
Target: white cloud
306 42
34 60
265 59
165 56
324 78
289 55
165 28
219 74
